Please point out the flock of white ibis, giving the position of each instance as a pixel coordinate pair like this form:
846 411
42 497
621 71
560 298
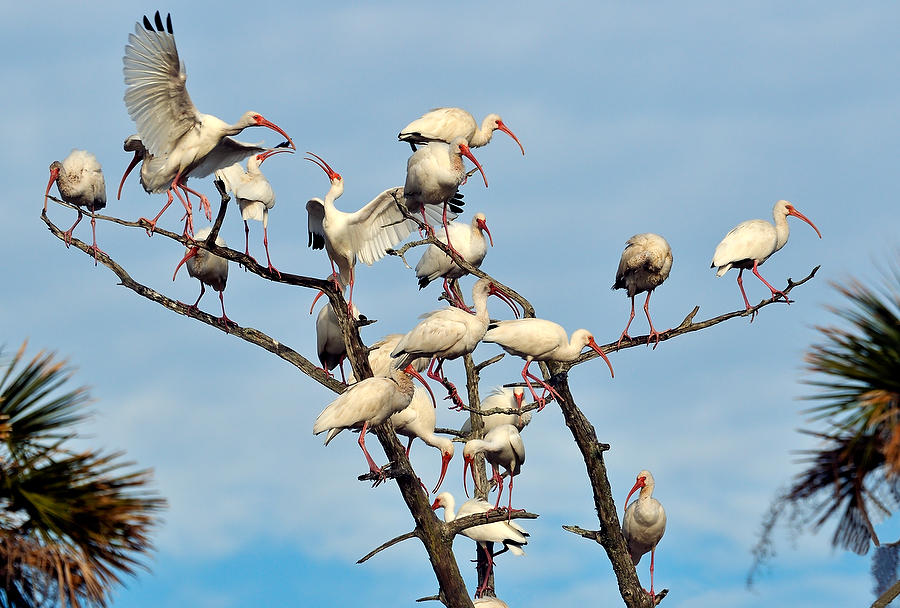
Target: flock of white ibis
174 141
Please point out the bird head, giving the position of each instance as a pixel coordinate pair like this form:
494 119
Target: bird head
55 166
461 146
333 175
789 209
412 372
499 125
255 119
589 341
481 222
643 479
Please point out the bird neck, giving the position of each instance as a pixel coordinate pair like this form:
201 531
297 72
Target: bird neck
449 510
483 134
782 230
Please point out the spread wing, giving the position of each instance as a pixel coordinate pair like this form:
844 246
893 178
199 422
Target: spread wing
226 152
155 95
315 208
379 225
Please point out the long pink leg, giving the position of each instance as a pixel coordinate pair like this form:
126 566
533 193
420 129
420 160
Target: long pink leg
408 448
653 332
741 285
204 202
224 320
487 573
266 243
373 468
67 235
774 291
202 291
189 214
652 556
539 400
94 233
246 238
447 232
158 215
499 481
625 332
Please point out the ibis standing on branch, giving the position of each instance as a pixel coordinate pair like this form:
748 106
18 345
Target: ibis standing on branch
208 268
512 535
541 340
170 127
418 420
502 447
448 333
80 182
645 264
433 176
446 124
365 234
469 241
644 523
254 195
330 345
750 243
368 403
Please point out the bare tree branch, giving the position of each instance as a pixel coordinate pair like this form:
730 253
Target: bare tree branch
390 543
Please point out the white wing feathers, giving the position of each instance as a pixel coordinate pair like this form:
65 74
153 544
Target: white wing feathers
378 226
155 95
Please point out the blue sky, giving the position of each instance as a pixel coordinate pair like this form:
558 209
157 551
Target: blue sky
681 120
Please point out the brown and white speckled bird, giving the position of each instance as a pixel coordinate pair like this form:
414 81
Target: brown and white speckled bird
80 182
644 523
208 268
645 264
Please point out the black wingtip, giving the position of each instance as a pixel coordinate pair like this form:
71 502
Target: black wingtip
147 25
316 241
158 20
169 22
423 282
493 326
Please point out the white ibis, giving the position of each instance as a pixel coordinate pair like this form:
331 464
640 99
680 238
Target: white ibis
446 124
208 268
418 420
364 234
645 264
541 340
469 242
512 535
433 176
254 195
171 128
490 602
154 177
502 447
448 333
367 403
644 523
750 243
330 340
501 398
80 182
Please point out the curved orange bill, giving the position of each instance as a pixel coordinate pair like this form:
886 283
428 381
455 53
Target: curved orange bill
332 174
262 157
445 462
191 253
506 130
54 173
796 213
262 122
464 149
412 372
316 299
134 161
483 225
468 460
509 301
600 352
637 485
436 505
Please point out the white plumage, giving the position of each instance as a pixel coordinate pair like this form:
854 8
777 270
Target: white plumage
418 420
645 264
501 397
750 243
644 522
446 124
502 447
512 535
208 268
79 179
364 234
367 403
448 333
253 194
171 128
541 340
469 242
330 346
